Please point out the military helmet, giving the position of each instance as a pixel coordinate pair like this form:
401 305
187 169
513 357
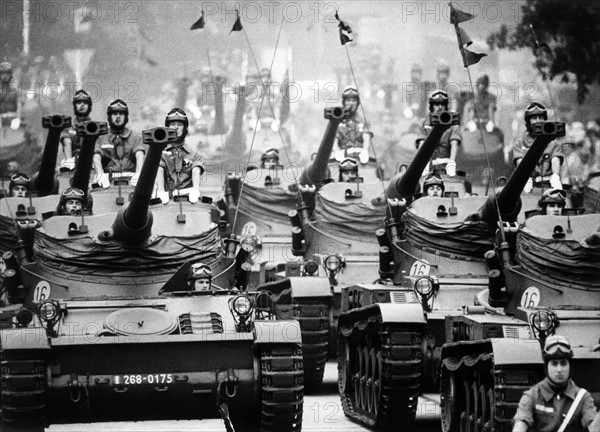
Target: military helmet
431 180
177 114
19 179
199 271
82 96
118 105
535 109
73 193
438 97
6 67
553 196
557 347
348 165
350 92
270 154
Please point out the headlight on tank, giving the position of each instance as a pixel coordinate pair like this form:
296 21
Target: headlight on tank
333 263
311 267
424 286
543 321
48 311
250 244
242 305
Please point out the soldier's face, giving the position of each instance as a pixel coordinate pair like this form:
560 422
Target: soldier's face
554 209
81 108
536 119
270 163
117 119
434 191
19 191
559 371
72 207
351 104
178 126
349 175
443 76
202 285
438 108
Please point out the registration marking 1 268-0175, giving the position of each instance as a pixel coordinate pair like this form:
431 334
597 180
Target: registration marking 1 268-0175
138 379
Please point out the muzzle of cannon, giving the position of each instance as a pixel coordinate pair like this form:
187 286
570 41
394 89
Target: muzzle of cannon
133 223
404 185
317 171
45 181
235 143
90 131
509 201
218 127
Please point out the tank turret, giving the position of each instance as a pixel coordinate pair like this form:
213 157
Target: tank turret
218 127
133 223
45 182
404 185
317 171
235 143
509 202
90 131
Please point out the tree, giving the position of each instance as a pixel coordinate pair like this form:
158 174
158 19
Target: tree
564 37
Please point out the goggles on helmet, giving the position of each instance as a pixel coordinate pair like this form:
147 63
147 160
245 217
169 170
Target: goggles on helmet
20 178
198 271
73 193
118 105
557 347
348 165
176 114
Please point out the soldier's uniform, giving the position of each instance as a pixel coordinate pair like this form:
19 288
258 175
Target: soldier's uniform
350 132
71 133
542 408
444 147
106 147
189 160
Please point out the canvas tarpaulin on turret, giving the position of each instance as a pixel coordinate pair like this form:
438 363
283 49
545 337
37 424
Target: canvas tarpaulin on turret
267 204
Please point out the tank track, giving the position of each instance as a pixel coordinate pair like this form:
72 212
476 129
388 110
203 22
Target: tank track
379 367
313 316
282 389
480 396
24 389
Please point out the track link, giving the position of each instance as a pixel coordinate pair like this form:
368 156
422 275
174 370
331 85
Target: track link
282 389
380 372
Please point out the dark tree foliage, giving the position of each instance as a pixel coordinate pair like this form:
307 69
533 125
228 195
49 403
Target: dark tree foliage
571 30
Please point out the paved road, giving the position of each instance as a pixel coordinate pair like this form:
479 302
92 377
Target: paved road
322 412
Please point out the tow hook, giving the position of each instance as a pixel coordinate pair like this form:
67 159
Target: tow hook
227 386
78 391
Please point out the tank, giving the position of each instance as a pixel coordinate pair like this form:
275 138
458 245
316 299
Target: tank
115 288
260 207
431 266
44 188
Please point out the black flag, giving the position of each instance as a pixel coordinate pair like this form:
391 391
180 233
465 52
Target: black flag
198 24
237 25
345 30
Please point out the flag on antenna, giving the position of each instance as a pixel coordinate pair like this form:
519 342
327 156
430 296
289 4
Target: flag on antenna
345 30
469 57
198 24
237 25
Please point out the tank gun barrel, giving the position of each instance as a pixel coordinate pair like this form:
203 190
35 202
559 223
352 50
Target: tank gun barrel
509 201
90 131
403 186
218 127
235 143
45 182
133 223
317 171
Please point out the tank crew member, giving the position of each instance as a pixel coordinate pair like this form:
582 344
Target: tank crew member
552 159
19 185
71 143
119 150
485 104
433 185
352 132
180 167
448 146
552 202
548 405
270 159
348 170
200 277
72 201
9 102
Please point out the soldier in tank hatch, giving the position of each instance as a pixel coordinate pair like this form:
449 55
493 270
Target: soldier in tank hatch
552 202
71 143
19 185
348 170
72 201
119 150
433 185
352 132
200 277
555 403
180 167
270 158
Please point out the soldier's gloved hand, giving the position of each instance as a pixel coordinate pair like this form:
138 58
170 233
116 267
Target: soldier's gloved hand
472 126
451 168
339 155
555 181
193 196
15 123
363 156
68 163
489 126
135 178
103 180
528 186
164 196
